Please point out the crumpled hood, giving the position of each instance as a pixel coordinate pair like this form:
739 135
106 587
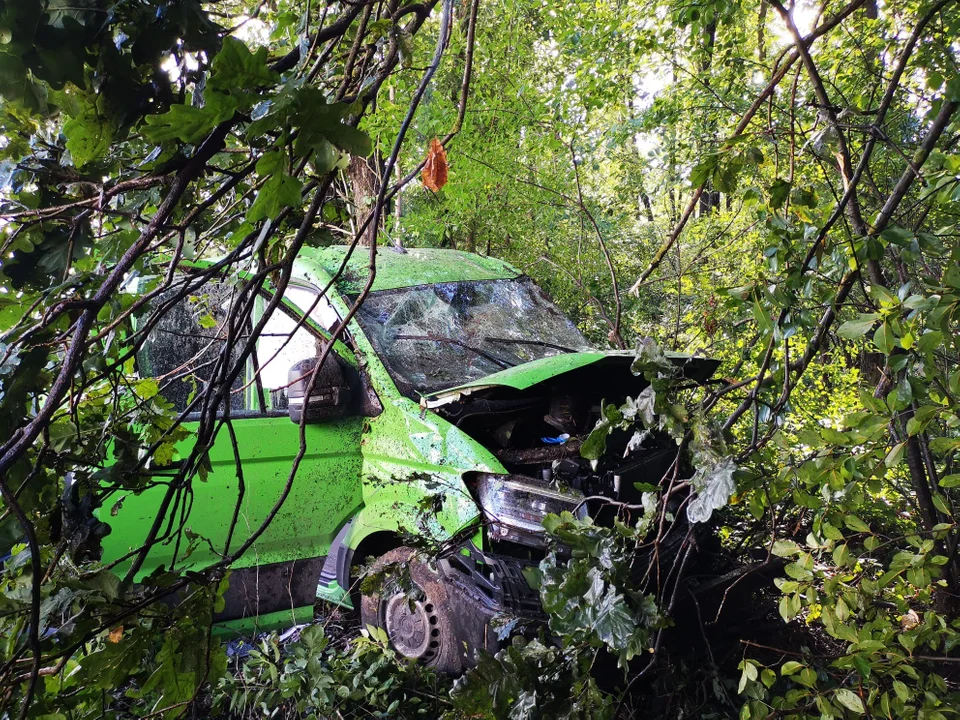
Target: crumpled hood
527 375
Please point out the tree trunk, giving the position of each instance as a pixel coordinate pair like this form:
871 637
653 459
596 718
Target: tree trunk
364 187
762 33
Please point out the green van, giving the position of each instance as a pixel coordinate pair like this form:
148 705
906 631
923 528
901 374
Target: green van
451 414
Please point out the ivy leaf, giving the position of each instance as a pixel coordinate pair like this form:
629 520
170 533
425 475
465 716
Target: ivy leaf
714 485
613 624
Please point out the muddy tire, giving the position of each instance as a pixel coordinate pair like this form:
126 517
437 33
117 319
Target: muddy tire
422 630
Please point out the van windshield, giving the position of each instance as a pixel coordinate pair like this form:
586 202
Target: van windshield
433 337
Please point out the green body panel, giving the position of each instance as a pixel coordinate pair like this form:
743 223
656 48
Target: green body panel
411 461
417 266
326 490
268 621
521 377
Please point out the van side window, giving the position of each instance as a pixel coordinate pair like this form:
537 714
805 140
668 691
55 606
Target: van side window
182 349
281 345
319 308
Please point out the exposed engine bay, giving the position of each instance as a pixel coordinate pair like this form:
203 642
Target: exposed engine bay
537 434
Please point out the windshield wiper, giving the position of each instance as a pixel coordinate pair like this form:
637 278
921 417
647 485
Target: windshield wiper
539 343
451 341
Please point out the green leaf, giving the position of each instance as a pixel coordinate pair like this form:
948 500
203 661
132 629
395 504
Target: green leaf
856 329
790 667
323 123
830 532
613 623
190 124
785 548
902 691
841 555
952 91
106 583
789 607
596 443
895 455
856 524
808 677
17 84
897 236
883 338
764 322
883 296
779 192
279 191
940 504
749 674
236 68
950 481
702 172
351 139
88 136
945 444
148 387
850 700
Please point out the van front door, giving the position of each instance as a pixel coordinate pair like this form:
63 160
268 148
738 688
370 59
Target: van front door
251 490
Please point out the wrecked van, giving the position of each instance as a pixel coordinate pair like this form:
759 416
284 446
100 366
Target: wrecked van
450 414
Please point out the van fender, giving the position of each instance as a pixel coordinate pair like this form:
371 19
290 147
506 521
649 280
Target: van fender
377 528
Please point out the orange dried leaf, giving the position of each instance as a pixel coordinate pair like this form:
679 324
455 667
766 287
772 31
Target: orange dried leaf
435 169
116 634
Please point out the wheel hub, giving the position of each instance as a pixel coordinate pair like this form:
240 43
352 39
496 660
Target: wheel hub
412 627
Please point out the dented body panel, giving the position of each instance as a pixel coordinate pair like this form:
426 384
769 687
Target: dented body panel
522 377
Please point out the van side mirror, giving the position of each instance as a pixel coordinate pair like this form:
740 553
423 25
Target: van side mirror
327 399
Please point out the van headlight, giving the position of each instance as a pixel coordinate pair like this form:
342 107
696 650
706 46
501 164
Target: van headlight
514 506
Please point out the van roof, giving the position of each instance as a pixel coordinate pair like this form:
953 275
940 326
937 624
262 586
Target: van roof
416 266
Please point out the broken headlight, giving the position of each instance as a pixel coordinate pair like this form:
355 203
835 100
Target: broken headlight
515 506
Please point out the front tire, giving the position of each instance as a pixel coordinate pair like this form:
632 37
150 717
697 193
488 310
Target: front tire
421 629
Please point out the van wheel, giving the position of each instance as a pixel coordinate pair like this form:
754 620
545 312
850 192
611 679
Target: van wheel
421 629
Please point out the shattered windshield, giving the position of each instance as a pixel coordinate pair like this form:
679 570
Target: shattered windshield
434 337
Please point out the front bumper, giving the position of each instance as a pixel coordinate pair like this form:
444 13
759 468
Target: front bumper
489 598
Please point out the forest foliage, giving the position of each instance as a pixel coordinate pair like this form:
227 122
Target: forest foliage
776 186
